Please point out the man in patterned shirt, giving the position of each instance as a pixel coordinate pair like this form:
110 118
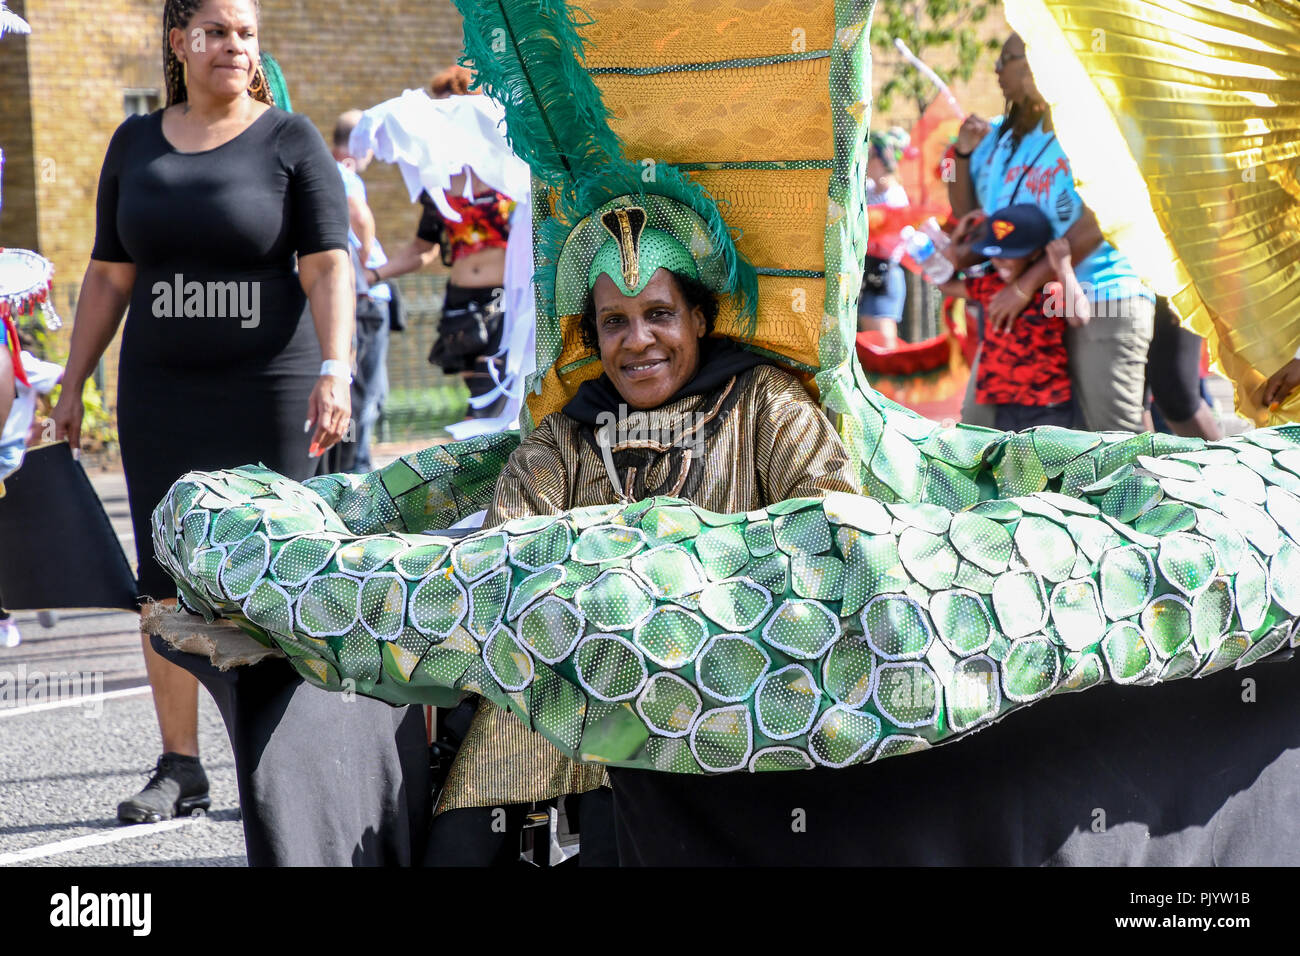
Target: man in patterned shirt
1024 368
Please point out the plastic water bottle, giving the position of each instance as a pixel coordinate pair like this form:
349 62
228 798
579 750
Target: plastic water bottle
932 229
926 251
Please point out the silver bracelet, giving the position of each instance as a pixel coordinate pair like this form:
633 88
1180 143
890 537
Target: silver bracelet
338 368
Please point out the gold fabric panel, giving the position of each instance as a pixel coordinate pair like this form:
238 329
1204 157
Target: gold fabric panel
774 112
789 318
502 762
557 389
667 32
781 111
773 444
1181 119
780 213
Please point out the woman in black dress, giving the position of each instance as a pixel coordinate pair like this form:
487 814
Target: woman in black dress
219 219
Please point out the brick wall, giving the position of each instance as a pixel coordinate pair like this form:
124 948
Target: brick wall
61 98
18 201
340 54
82 55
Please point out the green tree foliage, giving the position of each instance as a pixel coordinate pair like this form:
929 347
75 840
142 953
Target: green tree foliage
98 427
927 26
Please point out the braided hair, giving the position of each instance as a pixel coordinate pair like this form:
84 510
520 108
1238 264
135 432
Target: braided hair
178 14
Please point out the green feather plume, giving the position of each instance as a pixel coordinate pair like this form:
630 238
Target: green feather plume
528 56
275 79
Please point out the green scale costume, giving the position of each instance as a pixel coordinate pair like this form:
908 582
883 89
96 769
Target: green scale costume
981 572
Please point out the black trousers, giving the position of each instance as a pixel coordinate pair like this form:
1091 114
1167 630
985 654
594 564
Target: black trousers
1174 366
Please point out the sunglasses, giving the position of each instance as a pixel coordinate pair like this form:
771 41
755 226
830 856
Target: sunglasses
1003 60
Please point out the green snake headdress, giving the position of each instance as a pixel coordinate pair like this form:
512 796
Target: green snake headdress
633 253
678 115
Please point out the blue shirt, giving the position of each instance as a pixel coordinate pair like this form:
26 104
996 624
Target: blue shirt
353 185
1037 171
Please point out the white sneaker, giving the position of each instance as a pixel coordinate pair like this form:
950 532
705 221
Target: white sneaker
9 636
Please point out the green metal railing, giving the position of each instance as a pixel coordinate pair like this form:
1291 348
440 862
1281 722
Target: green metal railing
422 399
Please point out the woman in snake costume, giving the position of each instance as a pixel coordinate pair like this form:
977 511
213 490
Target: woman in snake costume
948 576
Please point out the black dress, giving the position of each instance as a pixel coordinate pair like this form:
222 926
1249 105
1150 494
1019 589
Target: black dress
218 376
1190 773
214 375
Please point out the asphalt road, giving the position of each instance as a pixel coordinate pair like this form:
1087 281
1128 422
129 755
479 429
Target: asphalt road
78 734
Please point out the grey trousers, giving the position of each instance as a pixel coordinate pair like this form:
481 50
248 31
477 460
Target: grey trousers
1108 360
324 780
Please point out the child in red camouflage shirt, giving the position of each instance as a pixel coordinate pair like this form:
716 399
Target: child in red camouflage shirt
1023 370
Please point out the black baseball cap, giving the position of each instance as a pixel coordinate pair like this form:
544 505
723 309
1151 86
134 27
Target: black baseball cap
1014 233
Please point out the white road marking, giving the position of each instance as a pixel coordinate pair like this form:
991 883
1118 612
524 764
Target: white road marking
79 701
93 839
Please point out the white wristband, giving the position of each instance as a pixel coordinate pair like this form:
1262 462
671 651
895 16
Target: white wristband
338 368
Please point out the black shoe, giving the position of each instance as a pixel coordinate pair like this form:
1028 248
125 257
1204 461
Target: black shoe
178 787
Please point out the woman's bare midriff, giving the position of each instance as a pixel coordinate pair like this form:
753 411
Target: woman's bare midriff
485 269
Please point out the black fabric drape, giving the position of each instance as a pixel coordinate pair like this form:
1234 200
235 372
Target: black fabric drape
57 546
1190 773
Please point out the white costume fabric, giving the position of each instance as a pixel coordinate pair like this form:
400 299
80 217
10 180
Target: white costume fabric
431 141
11 22
43 376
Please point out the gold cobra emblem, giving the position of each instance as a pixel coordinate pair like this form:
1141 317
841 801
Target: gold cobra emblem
625 225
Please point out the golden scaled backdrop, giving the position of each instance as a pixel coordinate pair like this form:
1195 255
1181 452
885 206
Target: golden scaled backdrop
738 93
1181 119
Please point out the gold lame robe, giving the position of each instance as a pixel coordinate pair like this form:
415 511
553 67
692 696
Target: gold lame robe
763 440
